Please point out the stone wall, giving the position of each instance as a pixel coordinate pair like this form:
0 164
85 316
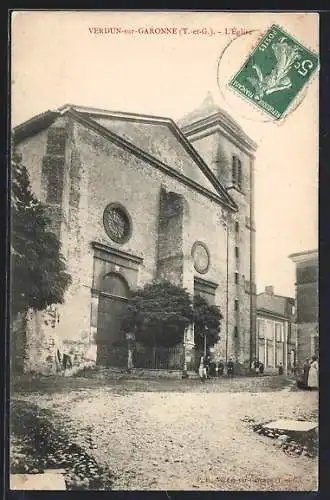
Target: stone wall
44 348
111 174
305 341
217 149
170 237
42 342
97 172
307 302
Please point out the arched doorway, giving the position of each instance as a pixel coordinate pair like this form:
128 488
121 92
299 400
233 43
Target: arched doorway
113 296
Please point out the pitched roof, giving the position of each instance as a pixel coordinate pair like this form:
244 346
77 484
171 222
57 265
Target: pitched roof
274 304
208 112
152 134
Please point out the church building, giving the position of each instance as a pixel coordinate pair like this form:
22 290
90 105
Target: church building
134 198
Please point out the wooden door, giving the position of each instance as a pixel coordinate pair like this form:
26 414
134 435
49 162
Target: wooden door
111 348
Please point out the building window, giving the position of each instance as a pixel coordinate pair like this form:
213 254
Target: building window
237 172
236 226
201 257
279 354
269 354
234 170
269 330
236 252
236 304
236 278
117 223
261 352
236 331
278 332
261 328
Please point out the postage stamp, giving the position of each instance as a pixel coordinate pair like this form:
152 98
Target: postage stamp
275 72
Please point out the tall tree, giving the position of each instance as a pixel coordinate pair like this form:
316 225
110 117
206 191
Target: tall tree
158 313
207 320
38 270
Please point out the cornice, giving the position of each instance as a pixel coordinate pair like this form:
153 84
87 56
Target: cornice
265 312
43 120
132 148
168 122
116 252
204 282
305 256
221 120
34 125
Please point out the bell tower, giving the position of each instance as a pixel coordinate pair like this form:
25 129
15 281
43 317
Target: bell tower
229 154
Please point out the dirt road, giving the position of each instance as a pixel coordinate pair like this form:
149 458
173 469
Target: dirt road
186 440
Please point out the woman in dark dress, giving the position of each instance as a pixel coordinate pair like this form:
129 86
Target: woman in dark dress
230 368
220 368
306 373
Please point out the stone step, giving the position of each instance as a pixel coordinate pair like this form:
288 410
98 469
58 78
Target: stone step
289 426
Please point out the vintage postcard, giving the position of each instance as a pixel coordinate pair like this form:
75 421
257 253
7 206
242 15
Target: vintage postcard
164 251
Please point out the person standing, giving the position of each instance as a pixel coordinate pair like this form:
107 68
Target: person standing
220 368
202 370
230 368
305 373
313 374
206 362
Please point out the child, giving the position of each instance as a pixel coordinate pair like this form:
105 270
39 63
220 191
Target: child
202 370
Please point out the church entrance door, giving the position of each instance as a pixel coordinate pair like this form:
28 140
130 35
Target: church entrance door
111 343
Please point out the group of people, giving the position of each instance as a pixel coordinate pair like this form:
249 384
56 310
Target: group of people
257 367
311 373
209 368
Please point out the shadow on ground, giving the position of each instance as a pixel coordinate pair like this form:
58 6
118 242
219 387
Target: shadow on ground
37 445
122 384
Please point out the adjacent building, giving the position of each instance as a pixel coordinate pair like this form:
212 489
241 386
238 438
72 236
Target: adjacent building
307 271
136 197
276 331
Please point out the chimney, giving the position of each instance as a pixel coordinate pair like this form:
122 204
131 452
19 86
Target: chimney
269 290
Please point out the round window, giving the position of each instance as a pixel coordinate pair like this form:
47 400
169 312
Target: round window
201 257
117 223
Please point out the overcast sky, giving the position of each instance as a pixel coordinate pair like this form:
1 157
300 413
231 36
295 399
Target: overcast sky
57 60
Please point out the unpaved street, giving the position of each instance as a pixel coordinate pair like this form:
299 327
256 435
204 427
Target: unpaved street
185 440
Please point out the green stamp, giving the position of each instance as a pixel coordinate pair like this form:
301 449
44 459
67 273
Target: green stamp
275 72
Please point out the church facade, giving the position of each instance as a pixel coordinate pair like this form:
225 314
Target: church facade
133 198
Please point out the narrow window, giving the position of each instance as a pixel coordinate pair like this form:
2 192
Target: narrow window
236 278
236 304
236 331
234 170
239 173
237 226
236 252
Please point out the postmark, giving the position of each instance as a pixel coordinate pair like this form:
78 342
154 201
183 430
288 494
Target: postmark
275 72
